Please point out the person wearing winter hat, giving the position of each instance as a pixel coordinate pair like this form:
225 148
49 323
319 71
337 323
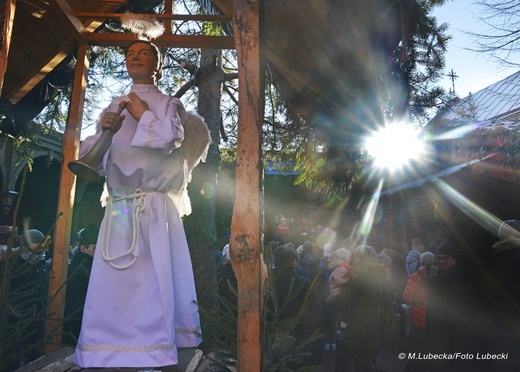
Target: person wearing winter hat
31 238
415 295
509 229
359 311
384 259
327 251
285 256
446 255
309 247
225 254
32 246
507 249
413 258
227 281
339 268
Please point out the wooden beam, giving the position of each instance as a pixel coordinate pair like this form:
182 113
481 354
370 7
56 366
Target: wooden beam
71 140
7 11
246 236
75 22
164 17
177 41
168 11
114 39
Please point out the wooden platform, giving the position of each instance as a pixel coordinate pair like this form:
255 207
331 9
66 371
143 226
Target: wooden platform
190 360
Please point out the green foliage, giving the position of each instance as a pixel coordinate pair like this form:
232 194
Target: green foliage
331 171
426 42
212 29
221 329
284 351
25 143
54 115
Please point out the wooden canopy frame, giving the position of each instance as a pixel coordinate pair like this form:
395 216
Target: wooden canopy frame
246 236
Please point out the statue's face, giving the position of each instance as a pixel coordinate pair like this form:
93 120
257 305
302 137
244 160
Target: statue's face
141 63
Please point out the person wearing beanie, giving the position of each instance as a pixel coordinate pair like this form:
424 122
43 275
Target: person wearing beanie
32 238
339 273
308 247
285 256
349 243
32 246
509 229
384 269
415 295
446 255
384 259
327 252
413 257
507 249
339 268
227 281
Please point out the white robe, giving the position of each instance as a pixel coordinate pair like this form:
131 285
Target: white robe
138 316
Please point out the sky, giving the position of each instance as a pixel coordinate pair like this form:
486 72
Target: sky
475 71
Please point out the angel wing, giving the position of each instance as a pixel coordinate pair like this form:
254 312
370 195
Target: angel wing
196 140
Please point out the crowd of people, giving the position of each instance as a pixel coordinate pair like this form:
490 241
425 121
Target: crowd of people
449 303
28 274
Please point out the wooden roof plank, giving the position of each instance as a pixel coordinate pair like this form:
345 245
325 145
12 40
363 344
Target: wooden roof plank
47 24
78 5
56 55
18 57
96 5
39 30
29 31
9 80
63 7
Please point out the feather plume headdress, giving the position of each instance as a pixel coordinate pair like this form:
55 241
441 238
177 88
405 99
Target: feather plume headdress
142 25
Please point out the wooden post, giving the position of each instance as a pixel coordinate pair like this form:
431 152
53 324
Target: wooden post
71 139
246 239
7 11
168 10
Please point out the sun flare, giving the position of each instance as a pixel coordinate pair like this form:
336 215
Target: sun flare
395 145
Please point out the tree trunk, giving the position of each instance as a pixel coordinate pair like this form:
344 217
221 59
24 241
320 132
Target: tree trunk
200 225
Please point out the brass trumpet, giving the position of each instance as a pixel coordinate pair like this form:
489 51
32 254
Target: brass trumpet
86 167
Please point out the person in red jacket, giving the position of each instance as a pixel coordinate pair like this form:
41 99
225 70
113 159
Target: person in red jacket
415 295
